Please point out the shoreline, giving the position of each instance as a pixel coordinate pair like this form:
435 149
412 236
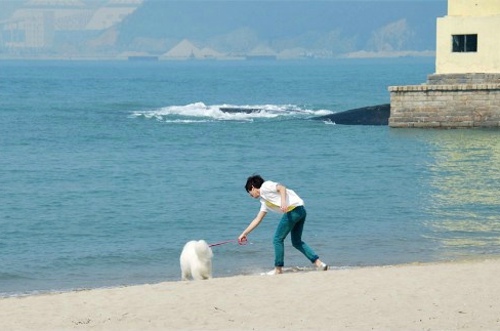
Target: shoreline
259 273
438 295
288 270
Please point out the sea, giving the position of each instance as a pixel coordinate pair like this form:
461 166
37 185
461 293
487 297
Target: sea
108 168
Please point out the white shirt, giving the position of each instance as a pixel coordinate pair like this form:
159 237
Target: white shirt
270 198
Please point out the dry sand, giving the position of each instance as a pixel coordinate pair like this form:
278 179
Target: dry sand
443 296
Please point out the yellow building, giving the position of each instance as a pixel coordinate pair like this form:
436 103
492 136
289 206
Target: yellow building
464 91
467 38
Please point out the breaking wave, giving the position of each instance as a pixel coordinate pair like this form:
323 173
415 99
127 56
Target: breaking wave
199 112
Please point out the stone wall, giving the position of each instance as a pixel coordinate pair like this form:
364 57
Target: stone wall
451 101
452 79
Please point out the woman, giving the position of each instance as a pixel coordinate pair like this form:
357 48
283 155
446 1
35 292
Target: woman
276 197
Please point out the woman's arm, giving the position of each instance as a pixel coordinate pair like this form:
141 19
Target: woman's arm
256 221
282 191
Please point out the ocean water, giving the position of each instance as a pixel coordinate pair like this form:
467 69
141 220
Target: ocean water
108 168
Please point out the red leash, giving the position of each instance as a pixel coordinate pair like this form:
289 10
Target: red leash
227 242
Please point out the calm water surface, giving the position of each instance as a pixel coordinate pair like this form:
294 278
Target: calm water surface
107 169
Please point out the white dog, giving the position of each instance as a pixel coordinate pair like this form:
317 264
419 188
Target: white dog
196 260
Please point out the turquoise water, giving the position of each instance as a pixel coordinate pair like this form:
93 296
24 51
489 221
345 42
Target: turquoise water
107 169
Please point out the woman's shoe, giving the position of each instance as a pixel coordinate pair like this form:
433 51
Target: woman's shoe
271 273
322 267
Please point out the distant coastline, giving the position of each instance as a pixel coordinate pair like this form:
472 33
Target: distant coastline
371 55
157 58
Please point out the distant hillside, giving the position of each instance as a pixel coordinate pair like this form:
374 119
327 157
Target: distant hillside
338 26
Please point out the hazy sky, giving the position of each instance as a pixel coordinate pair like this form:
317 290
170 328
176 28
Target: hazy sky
8 6
159 25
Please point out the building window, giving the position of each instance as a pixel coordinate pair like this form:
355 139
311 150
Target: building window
464 43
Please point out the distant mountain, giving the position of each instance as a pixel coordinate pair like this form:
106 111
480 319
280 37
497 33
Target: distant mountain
338 26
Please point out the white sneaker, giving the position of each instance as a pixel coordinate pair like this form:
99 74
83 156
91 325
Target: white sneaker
269 273
322 267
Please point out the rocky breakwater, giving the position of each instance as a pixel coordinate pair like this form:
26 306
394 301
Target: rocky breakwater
372 115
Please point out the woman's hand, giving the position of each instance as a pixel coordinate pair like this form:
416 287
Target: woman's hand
242 239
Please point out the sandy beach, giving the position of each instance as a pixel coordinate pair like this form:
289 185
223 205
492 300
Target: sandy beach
442 296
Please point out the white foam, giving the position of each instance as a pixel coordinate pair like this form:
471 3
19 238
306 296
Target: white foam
199 112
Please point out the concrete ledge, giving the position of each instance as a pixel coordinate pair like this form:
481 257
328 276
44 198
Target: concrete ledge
469 78
426 88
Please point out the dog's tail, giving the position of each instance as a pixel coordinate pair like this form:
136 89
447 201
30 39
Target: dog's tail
203 250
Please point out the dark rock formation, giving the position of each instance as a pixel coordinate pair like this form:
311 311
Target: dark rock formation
235 110
372 115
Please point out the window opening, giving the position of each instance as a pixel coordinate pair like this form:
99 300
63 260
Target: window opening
464 43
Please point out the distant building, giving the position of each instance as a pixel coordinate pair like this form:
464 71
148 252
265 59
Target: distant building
112 13
467 39
465 89
39 23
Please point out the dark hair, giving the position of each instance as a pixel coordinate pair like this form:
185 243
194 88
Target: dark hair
253 181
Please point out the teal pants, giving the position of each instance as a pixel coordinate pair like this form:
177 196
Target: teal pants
293 223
